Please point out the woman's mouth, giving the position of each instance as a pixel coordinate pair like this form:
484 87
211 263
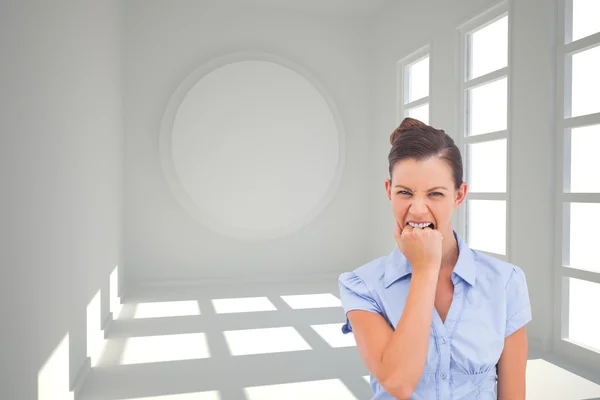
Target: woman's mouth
421 225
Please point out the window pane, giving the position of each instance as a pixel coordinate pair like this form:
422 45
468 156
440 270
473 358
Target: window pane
586 18
487 166
585 82
486 225
584 318
487 107
421 113
585 163
488 49
583 243
418 80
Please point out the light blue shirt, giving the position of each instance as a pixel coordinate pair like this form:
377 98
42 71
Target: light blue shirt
490 302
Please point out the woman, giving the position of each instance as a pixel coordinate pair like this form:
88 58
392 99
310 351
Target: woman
435 319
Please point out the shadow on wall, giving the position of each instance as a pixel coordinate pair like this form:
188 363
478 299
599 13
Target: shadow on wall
54 375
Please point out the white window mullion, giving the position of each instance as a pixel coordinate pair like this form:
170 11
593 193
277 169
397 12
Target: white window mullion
485 137
590 119
487 196
417 103
487 78
581 45
580 274
582 198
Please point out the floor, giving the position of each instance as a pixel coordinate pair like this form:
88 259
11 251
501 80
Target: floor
254 342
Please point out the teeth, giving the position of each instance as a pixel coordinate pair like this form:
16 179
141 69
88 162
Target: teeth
420 226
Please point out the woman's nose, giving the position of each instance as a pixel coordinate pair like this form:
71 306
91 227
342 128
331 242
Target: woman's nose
418 207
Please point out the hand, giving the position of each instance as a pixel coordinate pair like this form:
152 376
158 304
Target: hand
421 247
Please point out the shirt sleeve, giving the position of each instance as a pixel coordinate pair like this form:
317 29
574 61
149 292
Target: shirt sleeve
518 307
355 295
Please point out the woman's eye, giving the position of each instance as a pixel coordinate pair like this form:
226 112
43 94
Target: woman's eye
404 192
436 194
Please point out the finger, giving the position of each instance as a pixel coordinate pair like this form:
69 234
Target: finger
407 229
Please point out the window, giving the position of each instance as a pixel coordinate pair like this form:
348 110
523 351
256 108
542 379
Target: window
585 19
413 88
578 319
484 129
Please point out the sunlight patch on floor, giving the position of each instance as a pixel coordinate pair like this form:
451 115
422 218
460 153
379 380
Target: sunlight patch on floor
167 309
307 301
243 305
313 390
149 349
332 334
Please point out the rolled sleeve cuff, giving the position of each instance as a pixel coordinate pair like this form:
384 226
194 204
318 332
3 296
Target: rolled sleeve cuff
518 320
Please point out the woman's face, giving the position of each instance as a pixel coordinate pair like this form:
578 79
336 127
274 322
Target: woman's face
423 192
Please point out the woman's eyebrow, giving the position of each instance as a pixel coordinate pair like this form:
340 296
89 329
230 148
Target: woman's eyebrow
430 190
404 187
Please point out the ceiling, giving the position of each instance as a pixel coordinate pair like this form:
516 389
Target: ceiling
355 8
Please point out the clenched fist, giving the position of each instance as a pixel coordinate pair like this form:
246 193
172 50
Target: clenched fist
421 247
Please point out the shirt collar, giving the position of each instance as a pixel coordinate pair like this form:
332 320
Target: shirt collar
397 266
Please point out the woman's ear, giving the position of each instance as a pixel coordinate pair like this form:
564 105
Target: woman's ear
461 194
388 188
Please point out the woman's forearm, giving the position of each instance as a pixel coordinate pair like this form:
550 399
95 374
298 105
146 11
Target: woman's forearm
404 358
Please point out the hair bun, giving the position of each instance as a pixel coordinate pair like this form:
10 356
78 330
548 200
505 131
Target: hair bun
407 124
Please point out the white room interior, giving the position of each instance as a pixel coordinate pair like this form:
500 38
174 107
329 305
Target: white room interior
184 181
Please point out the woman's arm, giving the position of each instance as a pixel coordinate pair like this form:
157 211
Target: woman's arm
512 366
397 358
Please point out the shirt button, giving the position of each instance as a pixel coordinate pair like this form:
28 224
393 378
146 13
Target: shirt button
444 340
444 376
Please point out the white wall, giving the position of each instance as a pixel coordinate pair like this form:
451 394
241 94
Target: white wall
61 188
408 25
163 46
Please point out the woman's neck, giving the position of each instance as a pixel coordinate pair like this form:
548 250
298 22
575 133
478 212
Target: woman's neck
449 250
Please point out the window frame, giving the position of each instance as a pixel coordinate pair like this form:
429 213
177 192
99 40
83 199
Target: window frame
562 345
404 84
486 18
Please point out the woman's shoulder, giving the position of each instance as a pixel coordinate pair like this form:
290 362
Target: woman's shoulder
369 274
495 268
510 282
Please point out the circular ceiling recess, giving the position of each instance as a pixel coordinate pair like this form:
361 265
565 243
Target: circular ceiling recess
252 147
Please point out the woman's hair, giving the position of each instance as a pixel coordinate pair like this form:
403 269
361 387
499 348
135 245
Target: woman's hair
415 140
